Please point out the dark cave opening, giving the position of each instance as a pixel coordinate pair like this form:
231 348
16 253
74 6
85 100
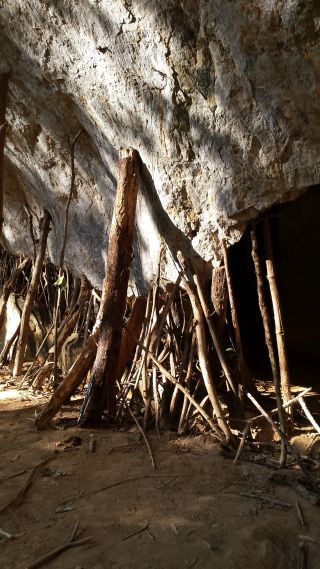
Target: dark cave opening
295 228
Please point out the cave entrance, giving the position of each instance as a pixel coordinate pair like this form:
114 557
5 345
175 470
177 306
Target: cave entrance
295 230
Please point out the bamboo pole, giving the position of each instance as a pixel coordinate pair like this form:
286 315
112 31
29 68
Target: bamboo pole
32 290
277 313
269 343
245 376
102 387
203 360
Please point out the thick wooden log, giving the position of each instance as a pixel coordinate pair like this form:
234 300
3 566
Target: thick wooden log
278 319
4 80
102 388
32 291
85 360
268 338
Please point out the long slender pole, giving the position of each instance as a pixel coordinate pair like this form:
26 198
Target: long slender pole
32 290
269 343
278 318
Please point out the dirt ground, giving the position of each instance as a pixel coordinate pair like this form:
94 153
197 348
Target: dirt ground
190 512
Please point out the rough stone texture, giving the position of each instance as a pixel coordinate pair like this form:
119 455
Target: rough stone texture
220 97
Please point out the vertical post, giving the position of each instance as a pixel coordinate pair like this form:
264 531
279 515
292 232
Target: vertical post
32 291
4 80
278 319
246 380
269 343
102 386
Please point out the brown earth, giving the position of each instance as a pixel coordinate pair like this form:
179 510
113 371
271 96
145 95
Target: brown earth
188 513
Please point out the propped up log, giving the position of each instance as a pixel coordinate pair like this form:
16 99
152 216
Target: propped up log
4 81
32 291
102 388
84 361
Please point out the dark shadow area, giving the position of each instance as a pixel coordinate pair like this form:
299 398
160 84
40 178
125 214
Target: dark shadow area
296 236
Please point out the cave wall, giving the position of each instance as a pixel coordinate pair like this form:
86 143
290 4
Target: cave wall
220 97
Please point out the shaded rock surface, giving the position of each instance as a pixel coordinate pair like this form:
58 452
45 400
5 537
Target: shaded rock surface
220 97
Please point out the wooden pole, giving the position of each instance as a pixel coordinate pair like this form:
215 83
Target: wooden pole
4 81
85 359
269 343
246 380
102 386
277 312
32 291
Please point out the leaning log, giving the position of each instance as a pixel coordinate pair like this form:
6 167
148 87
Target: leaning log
71 382
102 388
32 291
85 359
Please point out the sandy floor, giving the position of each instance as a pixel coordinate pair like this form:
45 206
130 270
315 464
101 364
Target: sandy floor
188 513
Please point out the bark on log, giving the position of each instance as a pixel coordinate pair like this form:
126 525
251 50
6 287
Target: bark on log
102 387
84 362
278 319
4 80
29 301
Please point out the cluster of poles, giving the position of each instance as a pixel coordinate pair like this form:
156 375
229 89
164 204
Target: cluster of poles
163 358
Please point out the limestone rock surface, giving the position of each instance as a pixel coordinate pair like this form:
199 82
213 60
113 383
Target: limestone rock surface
220 97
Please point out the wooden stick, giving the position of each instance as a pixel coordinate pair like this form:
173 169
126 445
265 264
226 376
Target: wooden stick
277 312
203 362
234 314
57 551
22 492
35 357
266 499
8 346
4 81
308 414
61 261
32 290
268 338
214 334
242 442
299 512
102 387
186 393
143 435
